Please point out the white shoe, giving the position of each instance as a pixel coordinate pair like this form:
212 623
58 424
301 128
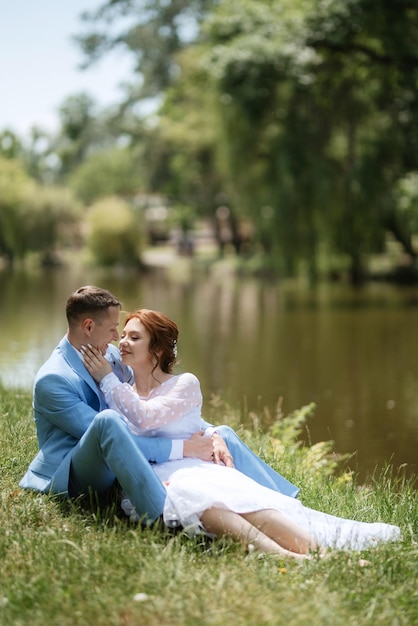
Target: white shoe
129 509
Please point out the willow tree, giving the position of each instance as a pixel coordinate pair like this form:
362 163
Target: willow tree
318 102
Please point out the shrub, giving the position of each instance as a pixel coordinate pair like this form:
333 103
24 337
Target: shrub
114 233
33 218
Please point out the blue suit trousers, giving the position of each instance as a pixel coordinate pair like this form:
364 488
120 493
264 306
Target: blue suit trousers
108 450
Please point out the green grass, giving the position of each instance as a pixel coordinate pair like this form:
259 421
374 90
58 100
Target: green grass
81 563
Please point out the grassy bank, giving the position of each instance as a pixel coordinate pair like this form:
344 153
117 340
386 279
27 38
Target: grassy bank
82 563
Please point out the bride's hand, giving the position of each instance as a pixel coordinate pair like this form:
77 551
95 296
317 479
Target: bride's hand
221 453
95 362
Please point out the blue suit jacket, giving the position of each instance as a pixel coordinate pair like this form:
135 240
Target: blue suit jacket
65 401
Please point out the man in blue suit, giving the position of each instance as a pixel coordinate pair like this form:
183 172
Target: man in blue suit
85 446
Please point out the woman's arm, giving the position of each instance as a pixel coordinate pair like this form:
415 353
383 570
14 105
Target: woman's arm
177 397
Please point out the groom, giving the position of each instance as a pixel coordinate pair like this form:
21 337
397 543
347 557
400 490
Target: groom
85 446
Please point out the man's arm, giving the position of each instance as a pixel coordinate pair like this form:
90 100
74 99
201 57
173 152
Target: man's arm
57 400
198 447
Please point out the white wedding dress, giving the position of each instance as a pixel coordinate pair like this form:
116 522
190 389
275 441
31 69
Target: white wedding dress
174 410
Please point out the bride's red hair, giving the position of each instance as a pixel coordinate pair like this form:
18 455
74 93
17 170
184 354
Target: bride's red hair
163 334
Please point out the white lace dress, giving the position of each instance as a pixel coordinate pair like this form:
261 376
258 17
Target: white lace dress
174 410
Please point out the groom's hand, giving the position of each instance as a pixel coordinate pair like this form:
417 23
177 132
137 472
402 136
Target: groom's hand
212 449
199 447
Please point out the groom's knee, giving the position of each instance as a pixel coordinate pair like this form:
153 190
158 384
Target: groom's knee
228 434
109 421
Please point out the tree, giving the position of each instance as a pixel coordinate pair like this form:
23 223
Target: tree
80 131
316 92
40 158
151 30
179 150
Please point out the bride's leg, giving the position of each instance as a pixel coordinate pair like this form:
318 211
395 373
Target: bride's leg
282 530
224 522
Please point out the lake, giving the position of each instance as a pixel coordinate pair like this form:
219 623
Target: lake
352 352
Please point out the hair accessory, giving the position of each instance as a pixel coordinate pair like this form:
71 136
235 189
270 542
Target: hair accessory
175 348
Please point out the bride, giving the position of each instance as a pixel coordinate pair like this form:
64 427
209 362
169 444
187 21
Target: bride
208 497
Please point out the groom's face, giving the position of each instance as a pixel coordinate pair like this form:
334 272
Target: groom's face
105 329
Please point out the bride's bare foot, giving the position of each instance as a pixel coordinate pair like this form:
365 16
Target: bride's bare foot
251 549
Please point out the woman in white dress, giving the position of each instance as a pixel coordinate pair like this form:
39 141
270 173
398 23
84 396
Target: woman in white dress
204 496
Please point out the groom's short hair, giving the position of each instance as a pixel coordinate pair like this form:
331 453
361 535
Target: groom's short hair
89 301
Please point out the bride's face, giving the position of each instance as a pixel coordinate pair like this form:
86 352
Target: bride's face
134 344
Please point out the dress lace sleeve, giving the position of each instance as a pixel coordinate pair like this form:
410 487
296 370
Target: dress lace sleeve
169 402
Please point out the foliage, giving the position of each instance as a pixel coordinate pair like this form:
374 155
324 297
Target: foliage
307 113
114 232
83 563
179 150
10 145
78 120
298 116
405 195
152 31
106 173
33 218
323 94
179 157
13 185
40 157
52 221
281 444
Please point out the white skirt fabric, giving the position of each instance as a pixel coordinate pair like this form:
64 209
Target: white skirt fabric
195 486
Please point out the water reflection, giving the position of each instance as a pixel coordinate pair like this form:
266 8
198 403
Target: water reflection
351 352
